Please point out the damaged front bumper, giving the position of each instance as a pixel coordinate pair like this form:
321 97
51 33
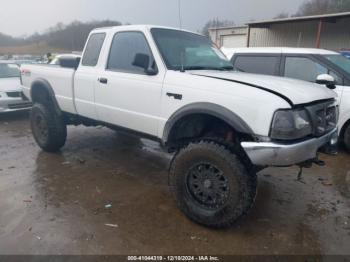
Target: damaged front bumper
278 154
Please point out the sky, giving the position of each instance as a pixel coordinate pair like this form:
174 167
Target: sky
24 17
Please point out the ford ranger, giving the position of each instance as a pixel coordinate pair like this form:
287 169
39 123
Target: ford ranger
177 88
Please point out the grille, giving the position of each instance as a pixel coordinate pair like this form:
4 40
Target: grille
14 94
326 120
20 105
324 117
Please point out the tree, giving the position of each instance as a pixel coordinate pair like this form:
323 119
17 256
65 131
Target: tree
282 15
71 37
214 23
319 7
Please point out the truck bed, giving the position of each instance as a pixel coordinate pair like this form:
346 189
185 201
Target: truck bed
60 79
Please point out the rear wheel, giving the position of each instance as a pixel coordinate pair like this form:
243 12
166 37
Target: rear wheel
211 185
48 128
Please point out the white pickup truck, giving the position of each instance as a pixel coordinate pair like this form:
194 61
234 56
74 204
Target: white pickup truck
175 87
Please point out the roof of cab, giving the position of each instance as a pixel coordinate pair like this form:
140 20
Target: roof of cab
280 50
137 27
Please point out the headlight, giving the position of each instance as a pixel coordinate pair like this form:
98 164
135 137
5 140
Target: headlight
290 124
2 94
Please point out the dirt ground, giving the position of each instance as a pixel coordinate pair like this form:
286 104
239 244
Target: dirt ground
107 193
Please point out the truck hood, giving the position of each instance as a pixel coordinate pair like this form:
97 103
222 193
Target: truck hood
293 91
10 84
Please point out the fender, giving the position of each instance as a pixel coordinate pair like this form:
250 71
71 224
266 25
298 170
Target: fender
46 85
343 122
210 109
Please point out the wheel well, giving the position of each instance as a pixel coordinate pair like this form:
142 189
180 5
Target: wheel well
43 94
39 93
196 126
342 131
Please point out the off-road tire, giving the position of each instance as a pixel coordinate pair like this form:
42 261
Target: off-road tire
241 183
48 128
346 138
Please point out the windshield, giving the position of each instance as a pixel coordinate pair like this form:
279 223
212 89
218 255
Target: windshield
9 70
340 61
187 51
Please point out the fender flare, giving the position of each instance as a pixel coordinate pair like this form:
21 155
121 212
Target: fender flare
47 86
343 124
209 109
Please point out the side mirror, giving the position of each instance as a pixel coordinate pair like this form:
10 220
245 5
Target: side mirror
143 61
327 80
69 62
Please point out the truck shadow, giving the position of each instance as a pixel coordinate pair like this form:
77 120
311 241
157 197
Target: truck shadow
14 116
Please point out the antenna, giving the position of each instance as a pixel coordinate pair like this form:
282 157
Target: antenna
180 18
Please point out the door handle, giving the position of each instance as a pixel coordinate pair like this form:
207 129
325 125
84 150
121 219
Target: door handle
103 80
175 96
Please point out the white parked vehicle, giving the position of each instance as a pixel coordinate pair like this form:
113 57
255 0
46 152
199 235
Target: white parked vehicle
56 60
11 96
175 87
312 65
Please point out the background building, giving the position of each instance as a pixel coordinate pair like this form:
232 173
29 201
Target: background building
323 31
229 36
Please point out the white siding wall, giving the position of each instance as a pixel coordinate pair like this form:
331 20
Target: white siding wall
218 35
303 34
233 41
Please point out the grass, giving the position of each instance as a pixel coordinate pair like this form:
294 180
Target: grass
34 49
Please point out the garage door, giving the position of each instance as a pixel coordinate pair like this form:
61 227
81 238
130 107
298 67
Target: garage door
231 41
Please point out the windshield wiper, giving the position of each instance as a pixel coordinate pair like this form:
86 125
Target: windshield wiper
223 68
240 70
228 68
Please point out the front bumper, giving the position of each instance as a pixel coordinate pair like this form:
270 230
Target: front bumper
10 104
275 154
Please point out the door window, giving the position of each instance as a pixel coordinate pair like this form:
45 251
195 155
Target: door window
93 49
266 65
303 68
123 51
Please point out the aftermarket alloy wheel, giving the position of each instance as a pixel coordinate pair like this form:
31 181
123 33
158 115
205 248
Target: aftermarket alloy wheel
48 128
207 185
211 185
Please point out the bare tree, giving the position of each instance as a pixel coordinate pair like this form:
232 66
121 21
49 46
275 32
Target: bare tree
214 23
282 15
318 7
69 37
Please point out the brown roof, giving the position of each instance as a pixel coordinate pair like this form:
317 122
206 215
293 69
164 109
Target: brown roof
330 17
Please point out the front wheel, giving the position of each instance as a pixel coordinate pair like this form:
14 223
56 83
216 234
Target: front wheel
211 185
48 128
346 138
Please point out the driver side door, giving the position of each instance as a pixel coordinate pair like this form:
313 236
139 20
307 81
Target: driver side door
125 95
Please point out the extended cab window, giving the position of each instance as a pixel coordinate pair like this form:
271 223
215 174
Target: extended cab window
123 51
93 49
303 68
266 65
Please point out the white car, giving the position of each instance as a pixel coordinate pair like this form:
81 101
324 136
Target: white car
11 96
312 65
175 87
